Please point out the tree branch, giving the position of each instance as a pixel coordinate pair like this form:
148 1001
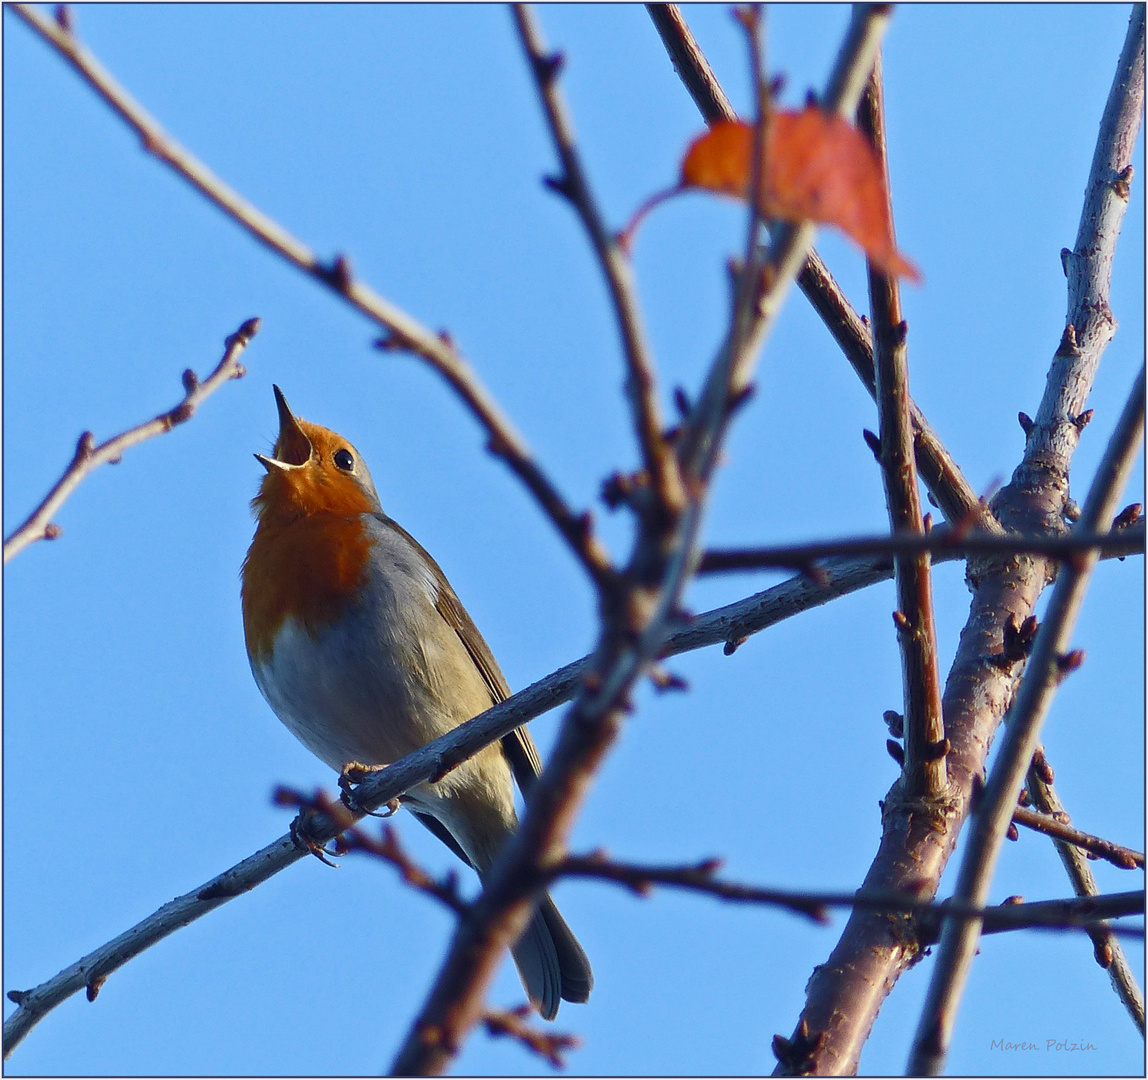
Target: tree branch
635 625
731 624
641 386
89 457
1046 669
943 543
1079 912
1044 822
1107 950
943 478
844 994
924 764
403 332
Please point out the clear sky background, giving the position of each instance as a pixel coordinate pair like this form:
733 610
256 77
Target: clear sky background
139 757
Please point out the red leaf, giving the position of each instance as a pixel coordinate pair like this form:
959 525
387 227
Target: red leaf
818 168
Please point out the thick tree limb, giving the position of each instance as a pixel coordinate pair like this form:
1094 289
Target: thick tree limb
844 994
1046 668
89 456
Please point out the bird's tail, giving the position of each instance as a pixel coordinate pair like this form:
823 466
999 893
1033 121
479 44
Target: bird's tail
552 964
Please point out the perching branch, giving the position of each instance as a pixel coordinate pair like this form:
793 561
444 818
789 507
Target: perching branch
402 331
1047 666
924 764
948 486
636 622
731 624
89 456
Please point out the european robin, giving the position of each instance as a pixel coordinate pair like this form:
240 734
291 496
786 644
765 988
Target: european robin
363 650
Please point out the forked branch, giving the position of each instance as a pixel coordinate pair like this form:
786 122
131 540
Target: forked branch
89 456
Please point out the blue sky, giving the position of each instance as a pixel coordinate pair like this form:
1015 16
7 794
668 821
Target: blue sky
139 756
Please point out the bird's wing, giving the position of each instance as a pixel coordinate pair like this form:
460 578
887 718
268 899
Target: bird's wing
518 745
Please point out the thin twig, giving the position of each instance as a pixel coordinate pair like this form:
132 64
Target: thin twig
1046 669
1075 913
402 331
512 1023
924 764
1108 952
1123 857
641 385
89 456
941 541
386 846
953 493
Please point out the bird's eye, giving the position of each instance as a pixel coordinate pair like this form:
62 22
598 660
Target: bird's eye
344 460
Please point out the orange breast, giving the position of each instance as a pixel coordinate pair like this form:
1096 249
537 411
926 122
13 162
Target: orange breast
310 568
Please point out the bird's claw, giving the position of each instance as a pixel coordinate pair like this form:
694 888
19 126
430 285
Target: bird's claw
301 835
353 773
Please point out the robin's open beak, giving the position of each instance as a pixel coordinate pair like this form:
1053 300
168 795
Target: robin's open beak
292 448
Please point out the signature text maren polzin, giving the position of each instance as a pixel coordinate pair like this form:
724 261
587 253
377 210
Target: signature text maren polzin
1050 1044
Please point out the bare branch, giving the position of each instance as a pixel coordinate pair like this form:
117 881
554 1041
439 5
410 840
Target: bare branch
1107 950
1079 912
512 1023
636 623
89 456
1045 671
943 543
1117 854
943 478
403 332
844 994
641 386
730 623
925 748
387 846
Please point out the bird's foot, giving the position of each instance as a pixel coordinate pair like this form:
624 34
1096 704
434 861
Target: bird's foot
303 837
354 773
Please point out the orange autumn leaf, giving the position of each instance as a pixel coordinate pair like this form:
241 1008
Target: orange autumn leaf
818 168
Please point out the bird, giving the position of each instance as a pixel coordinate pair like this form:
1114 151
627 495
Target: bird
364 651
